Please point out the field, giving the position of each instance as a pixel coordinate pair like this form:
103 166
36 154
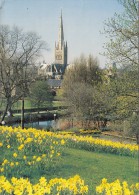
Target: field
34 154
29 105
93 167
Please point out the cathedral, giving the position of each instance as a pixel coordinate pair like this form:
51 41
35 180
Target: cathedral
56 69
61 47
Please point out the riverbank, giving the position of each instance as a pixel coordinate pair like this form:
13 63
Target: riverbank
30 117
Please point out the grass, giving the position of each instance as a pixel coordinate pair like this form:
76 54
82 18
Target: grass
92 167
58 101
29 105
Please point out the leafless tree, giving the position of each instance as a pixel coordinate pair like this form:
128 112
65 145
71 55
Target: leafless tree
79 88
19 52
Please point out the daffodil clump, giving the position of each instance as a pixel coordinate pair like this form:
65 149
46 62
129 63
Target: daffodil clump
74 185
82 131
117 188
100 145
27 150
59 186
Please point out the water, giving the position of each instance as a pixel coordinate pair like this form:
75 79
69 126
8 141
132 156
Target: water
44 124
40 124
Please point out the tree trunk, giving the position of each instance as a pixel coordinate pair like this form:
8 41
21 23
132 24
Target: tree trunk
72 123
38 113
11 112
5 112
88 123
22 114
104 124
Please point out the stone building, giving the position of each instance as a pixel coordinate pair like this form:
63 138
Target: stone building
61 47
56 69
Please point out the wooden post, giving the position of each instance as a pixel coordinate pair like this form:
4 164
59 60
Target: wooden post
22 113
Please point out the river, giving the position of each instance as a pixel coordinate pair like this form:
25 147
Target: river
39 125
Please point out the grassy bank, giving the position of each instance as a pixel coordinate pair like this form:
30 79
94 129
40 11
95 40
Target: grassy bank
92 167
34 154
34 116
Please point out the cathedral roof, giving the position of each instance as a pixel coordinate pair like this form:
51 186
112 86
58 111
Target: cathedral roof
56 83
44 66
58 68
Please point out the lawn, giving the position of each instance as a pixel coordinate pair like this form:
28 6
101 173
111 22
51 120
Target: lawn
29 104
93 167
34 153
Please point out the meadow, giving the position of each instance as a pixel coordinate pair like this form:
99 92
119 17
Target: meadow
40 162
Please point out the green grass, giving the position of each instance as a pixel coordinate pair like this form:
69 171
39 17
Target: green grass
91 166
29 105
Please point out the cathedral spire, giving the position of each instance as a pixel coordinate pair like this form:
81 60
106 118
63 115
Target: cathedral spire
61 33
61 47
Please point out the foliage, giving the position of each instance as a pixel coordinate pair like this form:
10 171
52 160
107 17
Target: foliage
79 88
100 95
134 125
111 98
122 33
40 93
120 90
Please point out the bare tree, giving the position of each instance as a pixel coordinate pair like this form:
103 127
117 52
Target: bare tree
79 88
85 70
19 52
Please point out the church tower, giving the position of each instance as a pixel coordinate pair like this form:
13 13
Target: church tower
61 47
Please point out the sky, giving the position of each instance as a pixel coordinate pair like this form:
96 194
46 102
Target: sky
83 20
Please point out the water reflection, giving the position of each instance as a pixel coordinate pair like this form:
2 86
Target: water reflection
39 124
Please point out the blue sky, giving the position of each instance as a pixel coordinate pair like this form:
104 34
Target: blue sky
82 20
